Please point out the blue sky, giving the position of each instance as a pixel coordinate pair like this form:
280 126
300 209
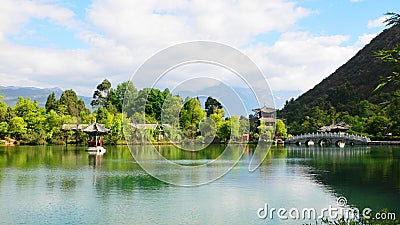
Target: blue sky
76 44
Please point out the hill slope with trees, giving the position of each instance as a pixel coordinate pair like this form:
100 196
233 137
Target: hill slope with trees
351 83
349 94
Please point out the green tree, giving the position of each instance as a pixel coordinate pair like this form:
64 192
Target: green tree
208 129
235 127
53 127
171 109
378 125
280 129
17 127
69 104
390 56
101 94
173 133
25 106
264 131
244 127
295 128
116 96
190 117
114 123
154 103
224 130
212 105
51 102
3 129
3 111
102 114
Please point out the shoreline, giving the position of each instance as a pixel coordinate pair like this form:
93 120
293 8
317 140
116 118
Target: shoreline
4 143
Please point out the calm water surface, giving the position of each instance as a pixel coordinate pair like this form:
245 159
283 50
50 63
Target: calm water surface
59 185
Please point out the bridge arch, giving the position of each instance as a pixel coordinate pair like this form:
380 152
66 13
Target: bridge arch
309 142
324 141
328 138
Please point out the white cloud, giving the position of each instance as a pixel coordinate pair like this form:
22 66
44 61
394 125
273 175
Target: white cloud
356 0
121 35
158 24
15 14
379 22
365 39
298 60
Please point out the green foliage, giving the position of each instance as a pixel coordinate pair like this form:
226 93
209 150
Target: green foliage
101 94
51 103
208 129
244 125
69 104
391 57
280 129
212 105
25 106
3 111
265 132
116 96
235 127
393 20
154 103
224 130
173 134
3 129
378 125
171 109
114 123
190 117
17 127
30 124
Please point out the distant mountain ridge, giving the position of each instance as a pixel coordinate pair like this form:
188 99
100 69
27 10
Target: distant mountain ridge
352 82
11 93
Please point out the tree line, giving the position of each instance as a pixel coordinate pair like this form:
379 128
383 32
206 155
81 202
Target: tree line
182 119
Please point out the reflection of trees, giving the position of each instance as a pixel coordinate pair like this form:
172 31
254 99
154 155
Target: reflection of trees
127 183
361 174
61 168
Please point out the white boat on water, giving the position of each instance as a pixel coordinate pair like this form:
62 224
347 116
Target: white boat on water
96 150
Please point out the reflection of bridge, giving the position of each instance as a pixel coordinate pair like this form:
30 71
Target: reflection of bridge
328 138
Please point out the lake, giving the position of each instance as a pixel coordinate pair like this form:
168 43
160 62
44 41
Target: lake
62 184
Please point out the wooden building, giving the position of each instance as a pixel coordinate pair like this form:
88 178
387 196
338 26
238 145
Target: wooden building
266 114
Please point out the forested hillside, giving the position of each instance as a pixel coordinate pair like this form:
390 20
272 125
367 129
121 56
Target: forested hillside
350 95
349 91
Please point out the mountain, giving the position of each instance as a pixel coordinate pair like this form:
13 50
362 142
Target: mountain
11 94
349 84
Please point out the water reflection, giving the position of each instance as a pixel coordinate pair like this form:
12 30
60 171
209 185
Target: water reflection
95 161
113 188
368 176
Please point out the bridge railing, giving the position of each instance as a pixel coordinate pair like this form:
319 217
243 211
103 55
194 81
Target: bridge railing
329 135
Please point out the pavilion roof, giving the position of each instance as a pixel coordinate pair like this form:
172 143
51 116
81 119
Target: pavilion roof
340 126
264 109
97 128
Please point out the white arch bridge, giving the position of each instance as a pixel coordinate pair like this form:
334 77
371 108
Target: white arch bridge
328 138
